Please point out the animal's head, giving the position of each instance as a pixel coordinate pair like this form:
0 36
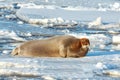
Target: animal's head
84 42
79 47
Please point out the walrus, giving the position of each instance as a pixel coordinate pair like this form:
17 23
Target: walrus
58 46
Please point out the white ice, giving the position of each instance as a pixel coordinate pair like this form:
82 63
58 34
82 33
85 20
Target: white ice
70 68
10 34
116 39
45 14
97 22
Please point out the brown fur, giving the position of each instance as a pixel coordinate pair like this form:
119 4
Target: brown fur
59 46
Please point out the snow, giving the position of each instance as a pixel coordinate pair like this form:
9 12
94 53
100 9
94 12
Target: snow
61 67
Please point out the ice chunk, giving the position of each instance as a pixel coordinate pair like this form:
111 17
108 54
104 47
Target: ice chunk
105 66
116 6
102 46
20 22
97 22
47 78
100 65
113 73
10 17
116 58
116 47
10 34
13 35
2 0
116 39
5 52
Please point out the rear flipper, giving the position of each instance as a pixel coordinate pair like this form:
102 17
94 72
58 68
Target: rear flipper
15 51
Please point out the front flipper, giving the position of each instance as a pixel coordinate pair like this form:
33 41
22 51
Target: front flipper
63 51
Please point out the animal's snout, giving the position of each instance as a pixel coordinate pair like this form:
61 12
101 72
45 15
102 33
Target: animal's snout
86 46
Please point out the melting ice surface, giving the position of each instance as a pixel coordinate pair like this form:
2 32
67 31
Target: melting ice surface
98 20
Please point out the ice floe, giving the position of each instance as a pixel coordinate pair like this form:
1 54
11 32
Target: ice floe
113 73
10 34
57 21
46 15
97 22
11 16
60 68
116 39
